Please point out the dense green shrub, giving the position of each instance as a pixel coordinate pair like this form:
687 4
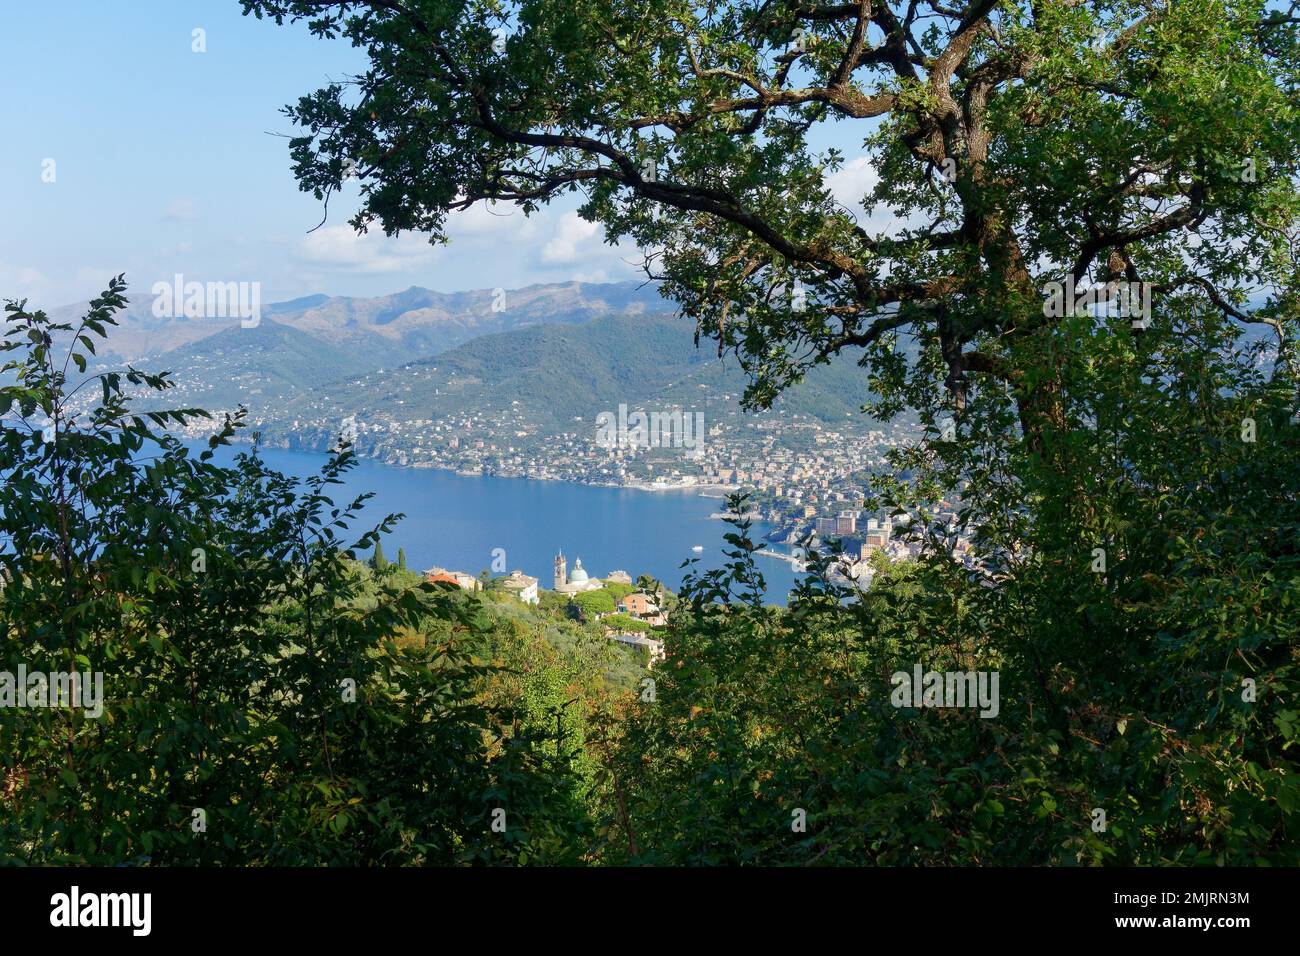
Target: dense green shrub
263 700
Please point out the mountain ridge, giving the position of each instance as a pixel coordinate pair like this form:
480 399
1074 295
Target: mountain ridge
388 328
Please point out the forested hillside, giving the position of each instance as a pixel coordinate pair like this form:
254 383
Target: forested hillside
553 375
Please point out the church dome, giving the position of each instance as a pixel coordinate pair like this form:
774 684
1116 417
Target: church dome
578 576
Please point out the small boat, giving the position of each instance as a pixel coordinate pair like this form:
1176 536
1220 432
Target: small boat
698 548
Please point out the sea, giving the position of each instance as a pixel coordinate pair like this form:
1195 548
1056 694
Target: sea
459 522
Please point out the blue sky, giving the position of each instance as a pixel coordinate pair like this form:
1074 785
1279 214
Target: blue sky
165 161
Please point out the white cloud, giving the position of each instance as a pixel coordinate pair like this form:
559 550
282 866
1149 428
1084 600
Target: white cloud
852 181
595 275
372 252
22 282
73 287
498 220
27 276
850 185
572 236
181 210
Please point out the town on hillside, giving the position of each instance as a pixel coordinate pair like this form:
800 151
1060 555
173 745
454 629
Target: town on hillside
629 611
805 479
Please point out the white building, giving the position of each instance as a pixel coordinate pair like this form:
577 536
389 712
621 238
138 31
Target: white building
521 586
651 646
575 582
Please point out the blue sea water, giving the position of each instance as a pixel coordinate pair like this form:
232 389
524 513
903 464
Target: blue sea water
456 522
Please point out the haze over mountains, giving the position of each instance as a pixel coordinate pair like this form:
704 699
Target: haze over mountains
385 329
551 354
555 375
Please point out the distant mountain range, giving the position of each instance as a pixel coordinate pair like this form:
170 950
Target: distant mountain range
385 329
313 341
556 375
545 355
554 354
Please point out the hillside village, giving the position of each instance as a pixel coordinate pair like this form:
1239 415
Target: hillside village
629 611
850 541
505 405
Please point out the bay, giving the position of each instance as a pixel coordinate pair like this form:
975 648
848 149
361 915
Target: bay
457 522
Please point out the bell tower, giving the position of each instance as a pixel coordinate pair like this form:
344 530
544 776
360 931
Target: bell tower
561 571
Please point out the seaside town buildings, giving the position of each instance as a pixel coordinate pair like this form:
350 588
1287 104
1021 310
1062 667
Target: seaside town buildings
642 608
806 479
521 586
575 582
459 578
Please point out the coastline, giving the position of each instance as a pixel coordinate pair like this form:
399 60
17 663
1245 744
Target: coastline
702 490
787 558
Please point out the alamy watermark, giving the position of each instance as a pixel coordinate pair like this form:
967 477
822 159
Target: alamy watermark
674 429
208 300
29 689
938 689
130 910
1130 300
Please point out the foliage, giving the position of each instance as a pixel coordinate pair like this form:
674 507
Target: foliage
624 622
257 708
593 603
1160 691
1128 487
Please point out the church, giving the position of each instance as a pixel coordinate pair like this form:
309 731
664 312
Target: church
578 581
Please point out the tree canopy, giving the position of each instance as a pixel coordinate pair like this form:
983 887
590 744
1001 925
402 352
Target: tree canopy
1015 144
1074 255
